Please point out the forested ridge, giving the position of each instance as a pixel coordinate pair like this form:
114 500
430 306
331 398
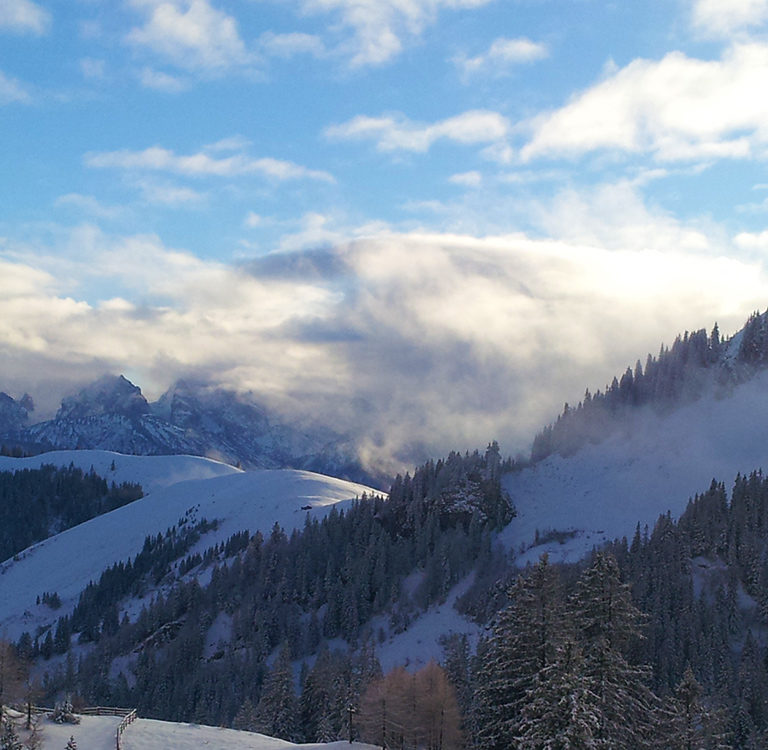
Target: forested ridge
657 641
696 364
294 595
679 656
35 503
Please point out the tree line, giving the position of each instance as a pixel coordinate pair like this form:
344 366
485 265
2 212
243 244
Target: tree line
35 503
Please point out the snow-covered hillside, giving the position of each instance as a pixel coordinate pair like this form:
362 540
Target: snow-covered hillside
651 466
151 472
181 486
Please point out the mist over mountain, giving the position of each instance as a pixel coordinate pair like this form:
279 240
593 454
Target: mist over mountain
190 418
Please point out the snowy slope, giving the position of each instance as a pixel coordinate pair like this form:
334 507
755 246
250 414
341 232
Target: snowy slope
151 472
239 500
415 647
147 734
653 466
98 733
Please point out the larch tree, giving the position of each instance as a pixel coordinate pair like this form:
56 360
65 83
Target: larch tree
12 674
412 710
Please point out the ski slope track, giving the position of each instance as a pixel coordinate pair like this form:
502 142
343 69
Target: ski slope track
180 486
653 465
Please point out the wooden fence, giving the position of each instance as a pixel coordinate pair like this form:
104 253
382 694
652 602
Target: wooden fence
129 716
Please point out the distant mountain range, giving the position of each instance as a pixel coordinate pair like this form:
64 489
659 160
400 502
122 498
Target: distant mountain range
190 418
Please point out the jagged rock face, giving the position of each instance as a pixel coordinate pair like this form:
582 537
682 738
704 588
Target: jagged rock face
14 415
190 418
113 395
234 427
200 409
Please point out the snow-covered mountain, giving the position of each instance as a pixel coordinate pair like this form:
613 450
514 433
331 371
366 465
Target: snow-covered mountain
565 505
649 466
178 488
14 415
112 414
642 449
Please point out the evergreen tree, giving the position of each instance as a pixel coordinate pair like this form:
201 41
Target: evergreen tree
693 725
245 718
607 624
9 739
276 713
526 639
558 711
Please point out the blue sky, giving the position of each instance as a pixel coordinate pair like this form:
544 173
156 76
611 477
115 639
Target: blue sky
439 218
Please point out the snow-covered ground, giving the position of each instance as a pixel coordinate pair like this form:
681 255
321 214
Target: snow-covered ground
92 733
654 465
147 734
151 472
419 644
98 733
253 500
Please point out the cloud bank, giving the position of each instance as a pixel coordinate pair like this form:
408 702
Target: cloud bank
412 342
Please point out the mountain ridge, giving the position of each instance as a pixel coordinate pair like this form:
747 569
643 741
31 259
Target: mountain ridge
111 413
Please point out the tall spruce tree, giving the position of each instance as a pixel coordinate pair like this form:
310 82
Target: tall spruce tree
608 623
558 711
277 711
693 725
525 640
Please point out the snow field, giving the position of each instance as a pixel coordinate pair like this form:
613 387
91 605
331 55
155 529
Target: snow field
253 500
654 464
148 734
151 472
98 733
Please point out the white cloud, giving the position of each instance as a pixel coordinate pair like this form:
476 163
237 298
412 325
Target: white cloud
202 164
24 16
397 133
253 220
677 109
12 90
92 68
467 179
231 143
290 45
502 54
723 19
450 339
191 34
754 243
160 81
379 27
88 204
168 194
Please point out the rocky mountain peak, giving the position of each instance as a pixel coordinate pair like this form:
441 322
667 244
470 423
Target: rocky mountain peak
110 394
